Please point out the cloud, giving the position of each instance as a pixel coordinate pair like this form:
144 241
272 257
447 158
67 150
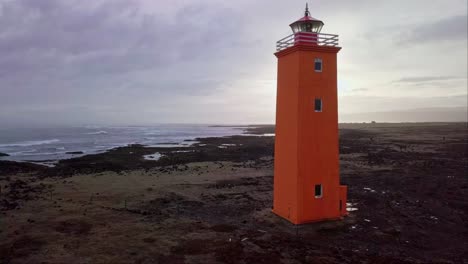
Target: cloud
427 79
185 61
364 103
66 42
445 114
433 84
360 90
448 29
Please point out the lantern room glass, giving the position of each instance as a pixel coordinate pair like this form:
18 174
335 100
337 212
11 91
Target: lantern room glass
309 26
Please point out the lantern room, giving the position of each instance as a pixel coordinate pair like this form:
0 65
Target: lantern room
307 24
307 31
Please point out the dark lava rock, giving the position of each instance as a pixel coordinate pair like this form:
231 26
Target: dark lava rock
224 228
149 240
73 227
12 167
3 154
21 247
131 157
17 191
74 152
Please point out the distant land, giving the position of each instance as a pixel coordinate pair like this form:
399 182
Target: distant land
446 114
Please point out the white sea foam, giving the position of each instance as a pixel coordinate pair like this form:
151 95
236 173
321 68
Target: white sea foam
189 143
168 146
30 143
93 139
49 164
101 132
259 135
23 152
41 153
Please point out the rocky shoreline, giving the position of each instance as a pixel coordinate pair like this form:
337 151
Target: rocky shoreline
131 157
211 202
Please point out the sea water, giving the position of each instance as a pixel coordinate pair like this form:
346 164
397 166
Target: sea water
51 144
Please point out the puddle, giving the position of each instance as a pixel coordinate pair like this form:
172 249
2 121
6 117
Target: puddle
369 189
155 156
49 164
350 207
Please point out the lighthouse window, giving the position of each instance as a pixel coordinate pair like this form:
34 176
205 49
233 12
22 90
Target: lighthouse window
318 65
318 105
318 191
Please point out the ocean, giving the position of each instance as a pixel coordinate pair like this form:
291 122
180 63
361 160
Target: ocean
52 144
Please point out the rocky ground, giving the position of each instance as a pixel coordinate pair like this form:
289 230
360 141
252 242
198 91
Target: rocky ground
211 203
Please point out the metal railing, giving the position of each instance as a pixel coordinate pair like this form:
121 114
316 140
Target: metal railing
319 39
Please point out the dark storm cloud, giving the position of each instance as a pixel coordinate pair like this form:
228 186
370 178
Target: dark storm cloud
124 61
63 50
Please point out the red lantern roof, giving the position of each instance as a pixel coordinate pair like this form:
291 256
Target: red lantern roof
307 17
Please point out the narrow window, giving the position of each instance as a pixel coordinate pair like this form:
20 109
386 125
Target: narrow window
341 205
318 191
318 105
318 65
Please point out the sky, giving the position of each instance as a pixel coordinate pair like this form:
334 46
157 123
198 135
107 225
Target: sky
209 61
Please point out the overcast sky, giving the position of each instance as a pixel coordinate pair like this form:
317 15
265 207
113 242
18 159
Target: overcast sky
155 61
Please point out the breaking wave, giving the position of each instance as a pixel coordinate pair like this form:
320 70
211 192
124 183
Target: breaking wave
31 143
102 132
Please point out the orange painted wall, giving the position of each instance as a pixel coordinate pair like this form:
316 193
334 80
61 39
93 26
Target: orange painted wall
286 146
306 147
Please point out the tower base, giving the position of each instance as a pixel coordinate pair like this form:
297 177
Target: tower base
292 216
308 221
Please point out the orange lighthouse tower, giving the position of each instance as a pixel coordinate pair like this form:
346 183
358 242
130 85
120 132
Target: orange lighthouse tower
306 175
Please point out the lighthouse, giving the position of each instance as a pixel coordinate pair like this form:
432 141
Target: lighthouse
306 171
